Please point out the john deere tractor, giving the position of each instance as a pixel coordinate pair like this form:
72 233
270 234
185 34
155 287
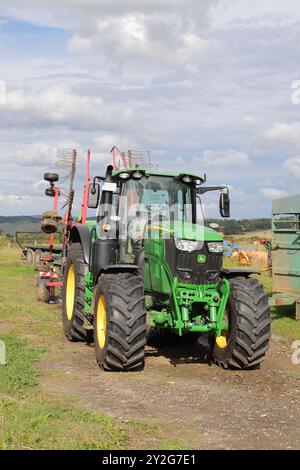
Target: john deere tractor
149 264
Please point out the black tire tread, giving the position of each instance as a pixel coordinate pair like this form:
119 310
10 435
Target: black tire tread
253 325
126 332
77 332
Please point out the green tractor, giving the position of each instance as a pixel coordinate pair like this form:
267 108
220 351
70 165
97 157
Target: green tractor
149 264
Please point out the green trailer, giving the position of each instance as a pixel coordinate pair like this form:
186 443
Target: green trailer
286 252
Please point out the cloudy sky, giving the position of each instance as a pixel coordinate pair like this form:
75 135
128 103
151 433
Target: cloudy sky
212 86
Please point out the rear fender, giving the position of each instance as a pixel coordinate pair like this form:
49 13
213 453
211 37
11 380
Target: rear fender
80 233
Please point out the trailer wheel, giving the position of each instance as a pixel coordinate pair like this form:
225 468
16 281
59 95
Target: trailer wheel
245 343
30 256
37 259
42 291
120 322
73 296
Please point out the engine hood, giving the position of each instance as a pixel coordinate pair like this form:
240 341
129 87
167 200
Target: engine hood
186 231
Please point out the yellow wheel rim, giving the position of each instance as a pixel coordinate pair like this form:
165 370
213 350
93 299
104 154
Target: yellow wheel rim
70 292
101 321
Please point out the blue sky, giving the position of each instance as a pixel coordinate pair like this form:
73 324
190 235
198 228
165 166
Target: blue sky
203 85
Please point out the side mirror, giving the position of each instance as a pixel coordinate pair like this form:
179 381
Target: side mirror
224 205
93 196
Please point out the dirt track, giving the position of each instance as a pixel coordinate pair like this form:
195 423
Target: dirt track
200 404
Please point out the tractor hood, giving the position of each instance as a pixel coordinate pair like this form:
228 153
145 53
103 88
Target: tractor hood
187 231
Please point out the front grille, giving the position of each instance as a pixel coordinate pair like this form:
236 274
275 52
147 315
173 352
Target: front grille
185 267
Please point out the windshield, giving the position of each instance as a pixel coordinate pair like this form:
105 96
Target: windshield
159 198
142 207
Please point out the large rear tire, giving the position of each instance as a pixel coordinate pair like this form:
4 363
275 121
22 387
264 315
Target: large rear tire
245 343
73 296
120 322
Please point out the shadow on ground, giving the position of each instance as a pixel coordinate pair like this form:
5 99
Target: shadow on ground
189 349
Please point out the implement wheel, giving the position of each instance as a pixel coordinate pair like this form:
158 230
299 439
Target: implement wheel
73 296
37 259
42 291
30 256
245 343
120 322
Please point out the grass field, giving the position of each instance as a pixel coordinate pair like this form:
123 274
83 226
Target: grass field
30 418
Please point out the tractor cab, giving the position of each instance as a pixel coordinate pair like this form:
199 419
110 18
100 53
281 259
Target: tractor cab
138 206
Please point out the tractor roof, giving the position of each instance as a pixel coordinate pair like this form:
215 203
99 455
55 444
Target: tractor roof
157 173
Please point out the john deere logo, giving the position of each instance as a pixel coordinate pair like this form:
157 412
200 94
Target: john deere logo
201 259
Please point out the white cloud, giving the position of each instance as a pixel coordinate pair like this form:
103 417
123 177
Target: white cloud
213 159
58 105
106 141
37 154
292 165
217 158
273 193
14 199
285 132
79 44
154 31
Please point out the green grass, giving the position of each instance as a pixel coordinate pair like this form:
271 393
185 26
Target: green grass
18 375
39 424
9 254
284 323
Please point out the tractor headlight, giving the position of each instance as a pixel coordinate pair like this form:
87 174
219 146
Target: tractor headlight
215 247
187 179
124 175
137 175
186 245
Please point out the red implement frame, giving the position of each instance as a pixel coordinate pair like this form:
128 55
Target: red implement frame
84 204
52 275
115 150
55 204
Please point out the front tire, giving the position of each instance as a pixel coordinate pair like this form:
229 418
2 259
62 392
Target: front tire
73 296
120 322
245 344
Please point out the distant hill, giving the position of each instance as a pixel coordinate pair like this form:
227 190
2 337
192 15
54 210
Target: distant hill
235 227
22 223
26 223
